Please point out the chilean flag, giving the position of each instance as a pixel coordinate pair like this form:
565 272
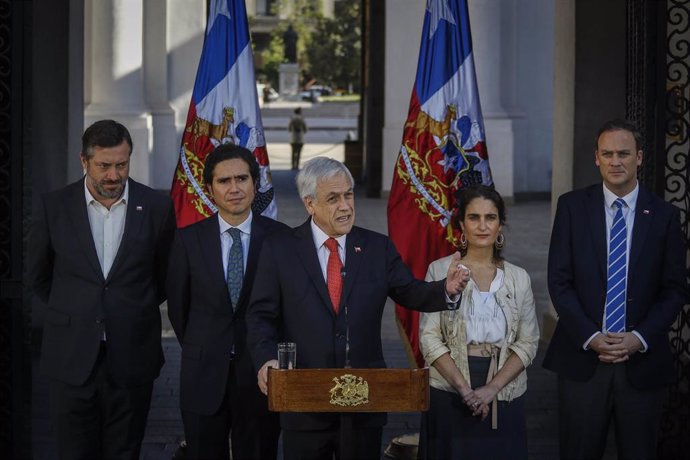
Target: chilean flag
443 148
224 108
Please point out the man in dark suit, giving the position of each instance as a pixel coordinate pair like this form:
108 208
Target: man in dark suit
616 276
98 257
323 285
209 282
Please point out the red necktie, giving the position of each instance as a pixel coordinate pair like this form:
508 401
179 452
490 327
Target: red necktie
334 277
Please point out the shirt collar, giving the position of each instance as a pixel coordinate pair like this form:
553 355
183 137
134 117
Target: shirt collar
244 227
630 199
90 199
320 236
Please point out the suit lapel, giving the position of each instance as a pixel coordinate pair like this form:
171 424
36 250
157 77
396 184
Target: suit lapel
307 254
354 252
76 207
136 209
209 242
255 240
643 218
597 226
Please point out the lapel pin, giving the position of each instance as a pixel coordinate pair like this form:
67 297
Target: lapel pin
358 249
140 208
645 211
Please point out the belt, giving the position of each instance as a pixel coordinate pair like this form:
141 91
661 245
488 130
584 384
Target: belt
487 350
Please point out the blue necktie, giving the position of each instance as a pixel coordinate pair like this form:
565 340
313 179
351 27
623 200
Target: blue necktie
235 271
614 311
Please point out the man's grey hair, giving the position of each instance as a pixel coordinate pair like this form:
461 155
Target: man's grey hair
317 169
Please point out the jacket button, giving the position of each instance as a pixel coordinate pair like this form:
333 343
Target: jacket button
99 321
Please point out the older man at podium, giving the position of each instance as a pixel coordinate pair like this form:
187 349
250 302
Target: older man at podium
323 285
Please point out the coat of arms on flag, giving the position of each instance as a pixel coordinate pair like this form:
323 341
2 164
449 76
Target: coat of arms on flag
443 147
224 108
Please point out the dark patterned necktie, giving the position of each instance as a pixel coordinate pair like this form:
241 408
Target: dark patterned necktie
235 271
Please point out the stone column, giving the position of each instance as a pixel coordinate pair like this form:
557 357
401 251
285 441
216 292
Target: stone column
494 50
563 119
165 147
114 84
403 31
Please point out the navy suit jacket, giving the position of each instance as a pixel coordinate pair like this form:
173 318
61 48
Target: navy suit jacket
577 273
207 326
290 302
64 271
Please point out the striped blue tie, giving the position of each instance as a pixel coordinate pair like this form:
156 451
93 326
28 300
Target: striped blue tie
235 271
616 283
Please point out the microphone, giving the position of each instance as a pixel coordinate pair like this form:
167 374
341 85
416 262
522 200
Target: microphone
343 274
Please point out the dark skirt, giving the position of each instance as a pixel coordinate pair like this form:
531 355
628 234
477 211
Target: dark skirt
450 431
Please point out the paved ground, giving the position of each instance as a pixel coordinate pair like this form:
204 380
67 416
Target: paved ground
527 242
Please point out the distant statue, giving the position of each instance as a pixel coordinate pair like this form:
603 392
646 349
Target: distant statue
290 45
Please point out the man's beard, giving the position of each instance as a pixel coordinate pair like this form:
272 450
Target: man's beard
110 194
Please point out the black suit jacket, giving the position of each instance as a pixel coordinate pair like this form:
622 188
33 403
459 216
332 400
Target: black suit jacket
64 271
577 274
290 302
206 324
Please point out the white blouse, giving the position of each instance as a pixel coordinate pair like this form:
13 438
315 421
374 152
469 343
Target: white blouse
486 322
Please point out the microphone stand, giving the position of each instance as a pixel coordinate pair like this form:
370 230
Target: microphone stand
343 274
346 419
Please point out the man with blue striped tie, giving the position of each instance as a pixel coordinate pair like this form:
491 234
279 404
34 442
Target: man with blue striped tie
616 277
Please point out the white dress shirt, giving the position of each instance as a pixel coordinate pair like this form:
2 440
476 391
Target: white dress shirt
107 226
486 322
245 229
322 252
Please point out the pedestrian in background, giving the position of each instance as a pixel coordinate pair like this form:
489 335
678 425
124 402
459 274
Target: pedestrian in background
297 128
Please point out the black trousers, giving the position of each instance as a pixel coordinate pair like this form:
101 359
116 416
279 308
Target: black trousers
587 408
365 443
98 420
296 152
244 416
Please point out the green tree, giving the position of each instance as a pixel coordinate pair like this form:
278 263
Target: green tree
336 45
302 15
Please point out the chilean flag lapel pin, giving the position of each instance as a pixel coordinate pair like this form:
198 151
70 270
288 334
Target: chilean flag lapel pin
645 211
358 249
140 208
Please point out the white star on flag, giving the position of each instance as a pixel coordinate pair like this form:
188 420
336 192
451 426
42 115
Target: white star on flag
438 9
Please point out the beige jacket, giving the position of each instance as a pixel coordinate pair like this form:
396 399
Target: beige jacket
445 332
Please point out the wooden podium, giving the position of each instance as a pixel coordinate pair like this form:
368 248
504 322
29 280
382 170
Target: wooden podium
348 390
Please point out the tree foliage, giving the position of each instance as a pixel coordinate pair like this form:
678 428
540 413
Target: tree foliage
336 46
302 15
328 50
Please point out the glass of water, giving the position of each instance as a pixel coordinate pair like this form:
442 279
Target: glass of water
287 355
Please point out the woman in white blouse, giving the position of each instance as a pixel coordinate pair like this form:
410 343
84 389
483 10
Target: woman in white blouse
478 354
